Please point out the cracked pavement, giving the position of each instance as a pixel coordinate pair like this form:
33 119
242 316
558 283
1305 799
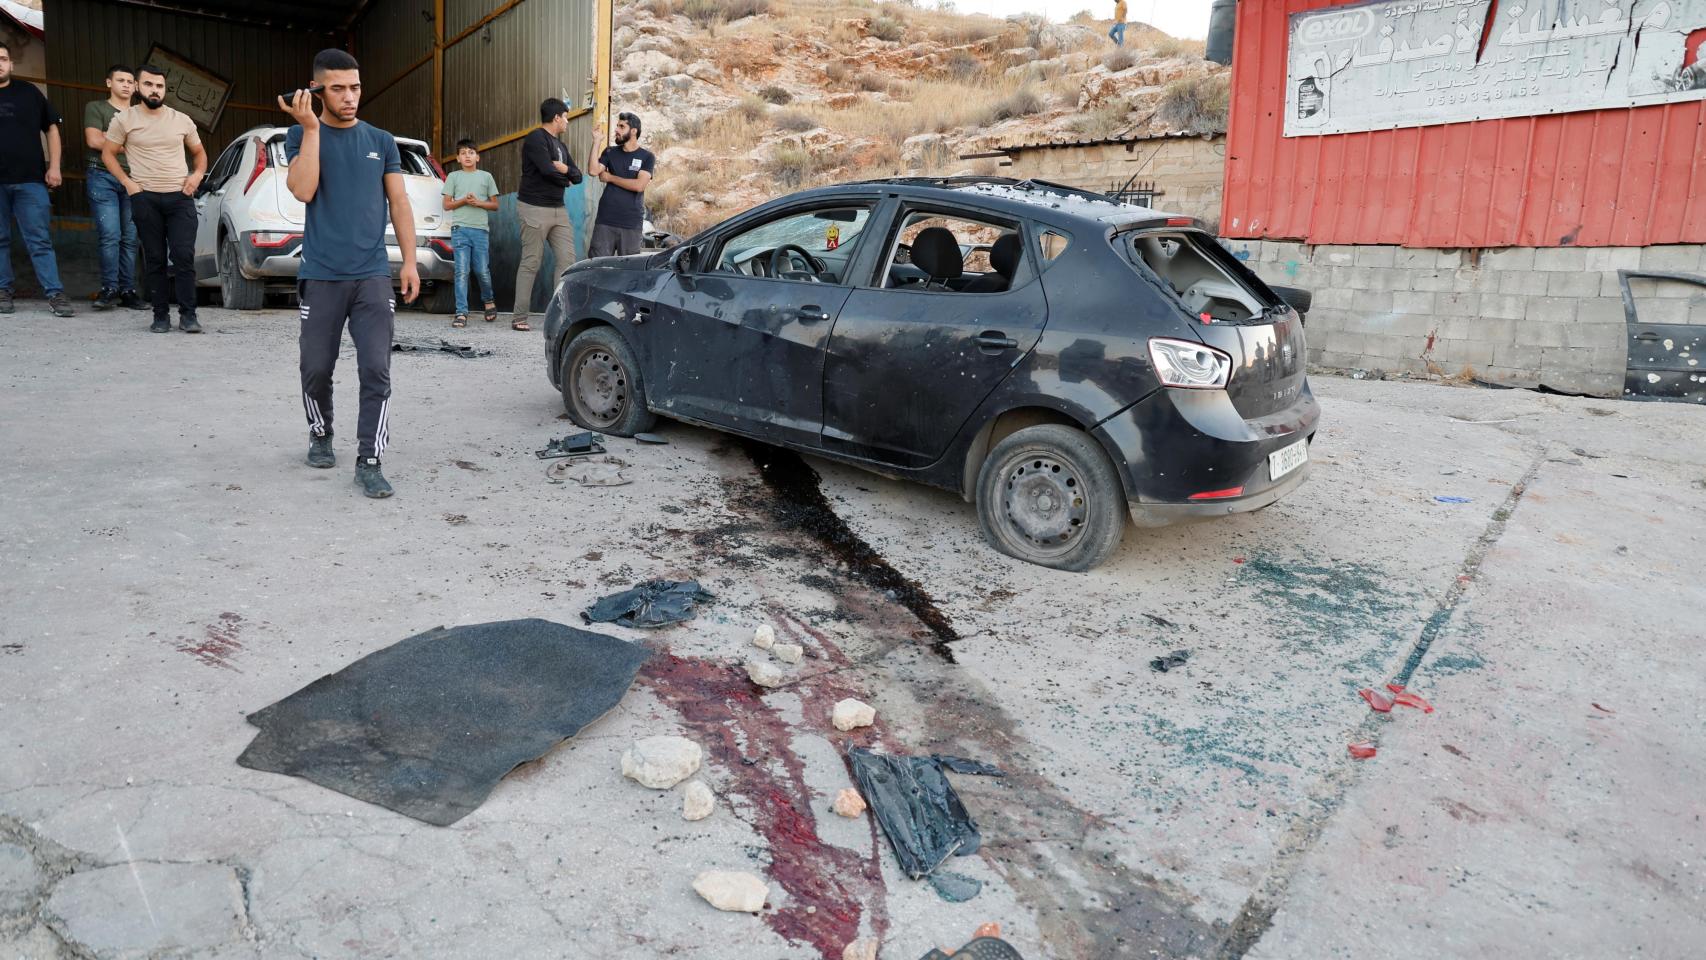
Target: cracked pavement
170 566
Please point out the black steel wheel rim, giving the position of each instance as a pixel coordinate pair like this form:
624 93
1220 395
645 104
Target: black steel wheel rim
1043 502
600 386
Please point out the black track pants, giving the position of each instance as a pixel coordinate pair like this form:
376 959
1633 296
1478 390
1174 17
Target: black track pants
370 308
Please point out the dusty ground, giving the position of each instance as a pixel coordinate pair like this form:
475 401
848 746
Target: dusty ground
169 566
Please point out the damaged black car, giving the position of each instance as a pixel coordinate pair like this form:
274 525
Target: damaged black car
1061 360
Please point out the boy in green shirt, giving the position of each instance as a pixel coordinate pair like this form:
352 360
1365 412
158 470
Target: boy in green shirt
468 194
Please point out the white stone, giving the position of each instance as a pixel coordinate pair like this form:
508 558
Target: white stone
732 891
851 713
764 673
848 803
788 652
865 948
697 802
764 637
661 762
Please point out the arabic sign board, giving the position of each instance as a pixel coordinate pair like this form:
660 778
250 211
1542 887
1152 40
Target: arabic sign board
191 88
1412 63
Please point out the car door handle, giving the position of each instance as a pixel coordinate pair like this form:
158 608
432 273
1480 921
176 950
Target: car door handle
812 313
994 341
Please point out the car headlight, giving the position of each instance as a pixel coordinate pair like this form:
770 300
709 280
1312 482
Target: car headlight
1181 363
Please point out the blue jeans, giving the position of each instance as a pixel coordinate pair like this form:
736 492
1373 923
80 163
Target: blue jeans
472 247
1116 33
28 203
111 206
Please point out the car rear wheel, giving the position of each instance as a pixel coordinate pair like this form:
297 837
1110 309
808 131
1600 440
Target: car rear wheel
1048 495
236 291
601 384
440 299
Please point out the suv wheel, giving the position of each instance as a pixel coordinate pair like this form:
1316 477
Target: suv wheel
235 290
1048 495
440 299
601 382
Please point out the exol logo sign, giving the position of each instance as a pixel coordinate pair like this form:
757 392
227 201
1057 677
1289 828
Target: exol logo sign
1333 27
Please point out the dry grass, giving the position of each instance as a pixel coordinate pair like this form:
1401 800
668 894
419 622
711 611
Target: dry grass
1084 17
709 12
1165 46
794 167
838 72
872 82
794 121
963 65
771 93
1122 58
752 109
888 29
1020 103
1102 122
1197 105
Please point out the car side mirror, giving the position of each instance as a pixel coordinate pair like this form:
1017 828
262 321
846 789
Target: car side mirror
684 260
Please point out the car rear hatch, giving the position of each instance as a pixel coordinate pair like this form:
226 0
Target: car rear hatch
1227 307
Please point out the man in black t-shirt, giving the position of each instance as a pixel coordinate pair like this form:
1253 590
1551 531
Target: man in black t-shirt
25 178
624 169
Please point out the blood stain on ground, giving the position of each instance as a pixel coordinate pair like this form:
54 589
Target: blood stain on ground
221 640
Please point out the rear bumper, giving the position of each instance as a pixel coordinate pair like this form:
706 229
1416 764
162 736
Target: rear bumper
1175 444
262 263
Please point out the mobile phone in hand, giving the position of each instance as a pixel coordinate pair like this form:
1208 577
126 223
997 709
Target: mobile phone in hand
290 95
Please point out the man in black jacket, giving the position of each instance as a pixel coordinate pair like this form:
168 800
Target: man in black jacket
546 171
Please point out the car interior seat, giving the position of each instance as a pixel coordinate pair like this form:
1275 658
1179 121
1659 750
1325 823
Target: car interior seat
1004 257
937 253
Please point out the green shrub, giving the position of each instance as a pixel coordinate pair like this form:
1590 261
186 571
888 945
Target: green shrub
1196 105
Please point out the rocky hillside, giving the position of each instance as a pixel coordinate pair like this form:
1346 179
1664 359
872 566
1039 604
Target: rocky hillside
744 100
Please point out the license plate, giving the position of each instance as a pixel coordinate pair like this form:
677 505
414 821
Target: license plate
1287 459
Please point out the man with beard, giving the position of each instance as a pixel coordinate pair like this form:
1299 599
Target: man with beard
346 171
160 183
107 199
624 169
25 178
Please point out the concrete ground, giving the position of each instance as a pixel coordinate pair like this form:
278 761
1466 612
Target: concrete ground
169 566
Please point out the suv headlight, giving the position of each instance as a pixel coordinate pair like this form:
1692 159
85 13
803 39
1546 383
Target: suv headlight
1181 363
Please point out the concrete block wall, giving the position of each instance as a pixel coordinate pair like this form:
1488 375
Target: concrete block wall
1522 316
1188 170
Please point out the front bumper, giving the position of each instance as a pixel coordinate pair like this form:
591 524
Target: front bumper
265 263
1178 443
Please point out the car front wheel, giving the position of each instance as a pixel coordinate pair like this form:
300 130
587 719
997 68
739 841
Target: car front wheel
1048 495
601 384
236 291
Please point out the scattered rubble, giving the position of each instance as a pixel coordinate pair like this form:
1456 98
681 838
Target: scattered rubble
764 673
865 948
788 652
731 890
1175 659
697 801
1362 751
848 803
764 637
850 714
661 762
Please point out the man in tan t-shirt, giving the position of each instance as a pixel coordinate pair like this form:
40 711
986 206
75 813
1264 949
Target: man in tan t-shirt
161 186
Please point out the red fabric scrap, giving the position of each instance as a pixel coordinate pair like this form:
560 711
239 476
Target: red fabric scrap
1379 702
1411 700
1362 751
1395 687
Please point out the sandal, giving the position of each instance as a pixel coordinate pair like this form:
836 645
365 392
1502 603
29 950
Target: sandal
460 321
491 312
520 325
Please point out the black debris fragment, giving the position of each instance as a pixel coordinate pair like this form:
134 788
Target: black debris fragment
429 725
917 807
650 438
1160 621
655 603
436 345
955 887
583 444
1175 659
983 948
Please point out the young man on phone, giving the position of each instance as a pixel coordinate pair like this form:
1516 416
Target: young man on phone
625 169
345 171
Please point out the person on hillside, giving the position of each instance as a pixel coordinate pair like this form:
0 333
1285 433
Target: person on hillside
107 199
25 178
624 169
160 184
546 171
469 194
348 173
1116 33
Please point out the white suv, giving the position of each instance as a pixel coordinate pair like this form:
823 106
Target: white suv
249 227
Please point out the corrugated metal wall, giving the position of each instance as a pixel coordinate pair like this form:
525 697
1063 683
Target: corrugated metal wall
1601 178
86 36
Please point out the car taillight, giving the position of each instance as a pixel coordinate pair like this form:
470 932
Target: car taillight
263 160
437 167
443 247
268 240
1218 494
1179 221
1181 363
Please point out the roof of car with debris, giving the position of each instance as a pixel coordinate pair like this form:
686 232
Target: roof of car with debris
1027 198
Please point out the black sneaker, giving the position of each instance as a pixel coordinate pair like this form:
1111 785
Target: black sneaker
6 301
161 325
60 306
130 300
189 325
372 481
320 452
107 300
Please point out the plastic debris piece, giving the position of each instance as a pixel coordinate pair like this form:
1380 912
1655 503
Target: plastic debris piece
1238 560
651 438
1454 499
1395 687
655 603
1377 701
1411 700
917 807
583 444
1362 751
602 472
1175 659
955 887
434 345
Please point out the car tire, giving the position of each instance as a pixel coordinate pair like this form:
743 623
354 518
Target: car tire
602 389
236 291
1048 495
440 299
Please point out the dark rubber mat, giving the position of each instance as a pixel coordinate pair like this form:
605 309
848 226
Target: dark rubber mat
429 725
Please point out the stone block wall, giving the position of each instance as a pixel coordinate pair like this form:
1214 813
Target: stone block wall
1187 170
1522 316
